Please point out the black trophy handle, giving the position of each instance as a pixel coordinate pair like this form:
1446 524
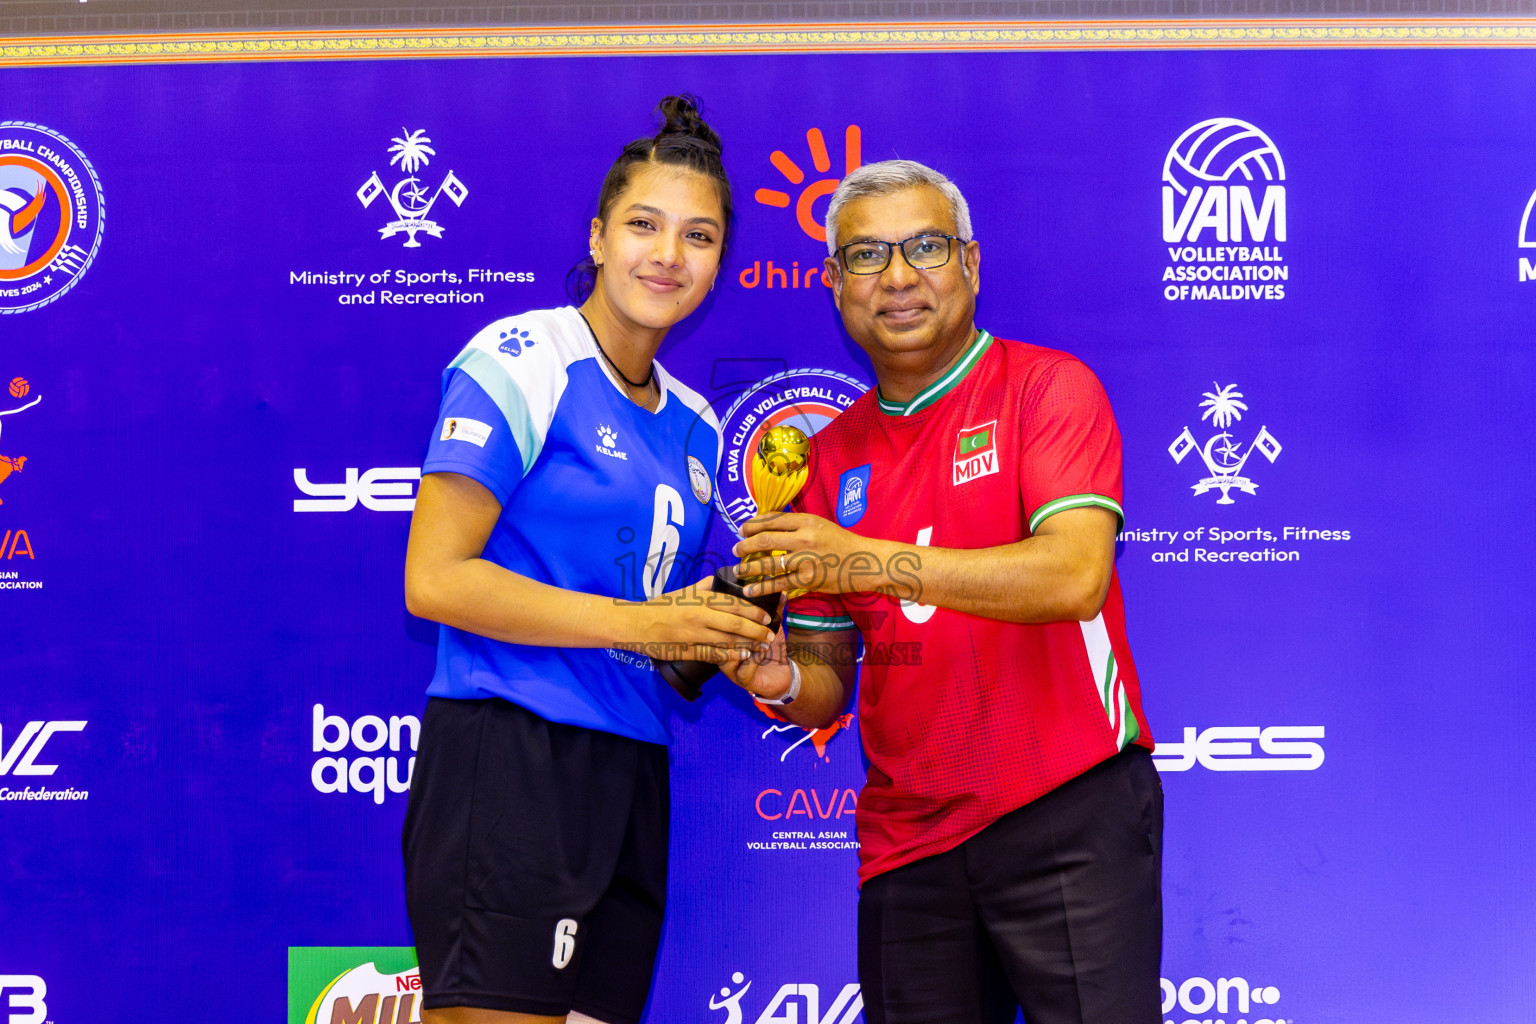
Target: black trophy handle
688 677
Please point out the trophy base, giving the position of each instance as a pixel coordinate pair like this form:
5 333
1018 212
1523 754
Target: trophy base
688 677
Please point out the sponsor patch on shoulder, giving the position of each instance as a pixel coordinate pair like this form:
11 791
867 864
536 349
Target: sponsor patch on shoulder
698 479
462 428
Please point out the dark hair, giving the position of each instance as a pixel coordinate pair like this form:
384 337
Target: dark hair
684 140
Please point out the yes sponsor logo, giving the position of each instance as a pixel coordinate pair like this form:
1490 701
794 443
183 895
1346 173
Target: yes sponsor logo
386 489
1230 748
22 999
1223 454
353 985
378 754
412 197
52 213
802 192
1224 213
787 1004
1223 1001
23 759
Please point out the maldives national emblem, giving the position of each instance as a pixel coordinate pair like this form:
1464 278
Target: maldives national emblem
409 196
1223 455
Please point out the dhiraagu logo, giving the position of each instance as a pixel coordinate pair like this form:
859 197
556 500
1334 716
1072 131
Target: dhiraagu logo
353 985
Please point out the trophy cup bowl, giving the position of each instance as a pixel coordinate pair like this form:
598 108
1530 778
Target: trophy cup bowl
778 471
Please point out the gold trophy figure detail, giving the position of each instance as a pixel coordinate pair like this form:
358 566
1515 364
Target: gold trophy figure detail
779 470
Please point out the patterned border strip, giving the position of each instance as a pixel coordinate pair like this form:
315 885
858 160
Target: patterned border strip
933 37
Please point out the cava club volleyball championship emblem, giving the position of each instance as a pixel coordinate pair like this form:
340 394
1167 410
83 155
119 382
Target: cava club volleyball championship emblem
806 399
51 215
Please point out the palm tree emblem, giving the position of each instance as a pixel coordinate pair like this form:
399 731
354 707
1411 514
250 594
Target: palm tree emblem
411 198
1223 456
1222 406
413 151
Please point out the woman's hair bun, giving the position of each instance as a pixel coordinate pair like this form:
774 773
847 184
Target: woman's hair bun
682 118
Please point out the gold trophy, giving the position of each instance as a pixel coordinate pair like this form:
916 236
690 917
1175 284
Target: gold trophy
778 472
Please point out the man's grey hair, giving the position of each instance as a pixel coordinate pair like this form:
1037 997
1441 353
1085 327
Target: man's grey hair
889 176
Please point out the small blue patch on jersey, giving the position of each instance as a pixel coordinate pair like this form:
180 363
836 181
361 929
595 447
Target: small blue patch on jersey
852 491
514 341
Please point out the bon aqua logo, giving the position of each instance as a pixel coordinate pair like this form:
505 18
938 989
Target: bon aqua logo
803 192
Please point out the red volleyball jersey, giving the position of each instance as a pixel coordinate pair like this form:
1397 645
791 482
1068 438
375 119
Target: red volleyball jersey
965 718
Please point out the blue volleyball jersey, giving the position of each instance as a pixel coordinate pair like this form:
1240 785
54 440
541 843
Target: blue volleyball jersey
598 495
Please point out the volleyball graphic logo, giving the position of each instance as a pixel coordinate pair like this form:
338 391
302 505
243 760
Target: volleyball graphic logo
51 215
1223 181
20 387
1219 149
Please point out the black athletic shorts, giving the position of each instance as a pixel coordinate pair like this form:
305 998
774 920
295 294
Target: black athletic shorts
535 863
1055 907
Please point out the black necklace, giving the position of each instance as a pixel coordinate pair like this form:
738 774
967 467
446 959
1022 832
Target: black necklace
632 383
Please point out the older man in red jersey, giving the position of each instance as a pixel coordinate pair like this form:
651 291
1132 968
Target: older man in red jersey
960 522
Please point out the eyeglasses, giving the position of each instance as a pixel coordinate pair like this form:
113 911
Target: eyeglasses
922 252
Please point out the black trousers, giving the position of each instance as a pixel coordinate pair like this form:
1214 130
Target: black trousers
1055 908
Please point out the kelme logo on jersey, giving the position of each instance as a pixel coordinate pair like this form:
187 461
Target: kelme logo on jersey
852 491
1224 455
411 197
807 399
353 985
51 215
1223 211
786 1004
975 453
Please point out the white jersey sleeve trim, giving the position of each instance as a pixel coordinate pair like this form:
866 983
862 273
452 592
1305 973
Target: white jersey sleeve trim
521 363
693 400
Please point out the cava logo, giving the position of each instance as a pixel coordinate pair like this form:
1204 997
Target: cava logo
786 1005
412 197
358 985
1224 456
1223 210
807 399
51 215
333 734
386 489
19 389
1229 748
1198 999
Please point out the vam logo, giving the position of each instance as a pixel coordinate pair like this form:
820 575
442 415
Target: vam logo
1527 240
1229 748
1198 998
21 999
386 489
1223 455
787 1003
412 151
332 734
1223 182
790 276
